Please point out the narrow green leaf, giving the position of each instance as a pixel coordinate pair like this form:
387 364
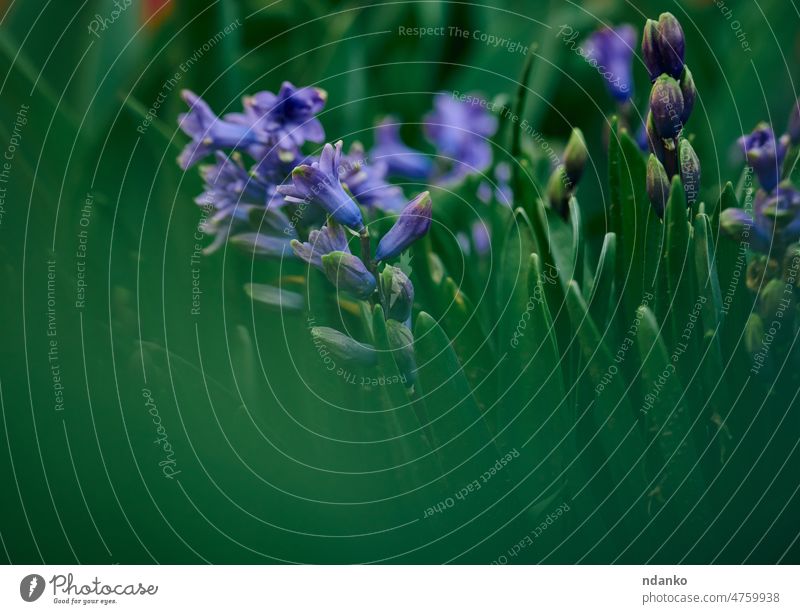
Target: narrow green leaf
275 297
671 423
603 287
618 443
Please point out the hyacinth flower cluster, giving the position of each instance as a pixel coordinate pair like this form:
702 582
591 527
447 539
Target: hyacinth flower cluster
671 102
328 250
772 226
264 194
250 190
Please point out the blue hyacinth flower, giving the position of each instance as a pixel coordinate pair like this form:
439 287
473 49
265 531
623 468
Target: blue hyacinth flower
208 132
460 128
319 184
612 50
330 238
765 154
366 180
413 223
285 120
400 159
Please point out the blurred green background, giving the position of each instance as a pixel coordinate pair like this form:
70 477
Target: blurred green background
270 469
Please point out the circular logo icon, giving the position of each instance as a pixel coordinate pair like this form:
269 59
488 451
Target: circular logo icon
31 587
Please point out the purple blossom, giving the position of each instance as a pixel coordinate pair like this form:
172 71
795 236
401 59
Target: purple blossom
230 196
367 181
208 132
775 220
460 128
285 120
319 183
413 223
765 154
612 51
329 238
400 159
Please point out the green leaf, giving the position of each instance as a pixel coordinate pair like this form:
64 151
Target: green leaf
679 267
618 445
457 421
275 297
470 341
578 241
603 287
534 416
671 423
636 213
614 181
708 287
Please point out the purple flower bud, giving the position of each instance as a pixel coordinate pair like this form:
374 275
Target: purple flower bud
208 132
344 347
689 170
397 293
319 184
400 159
765 154
663 46
348 273
653 140
329 238
413 223
666 105
689 92
671 43
612 50
657 185
650 52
